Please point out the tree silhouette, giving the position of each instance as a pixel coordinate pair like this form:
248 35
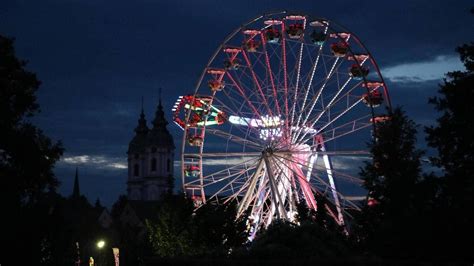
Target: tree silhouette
385 225
27 158
453 138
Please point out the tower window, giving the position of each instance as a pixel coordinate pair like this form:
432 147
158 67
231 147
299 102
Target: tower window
153 164
168 165
136 170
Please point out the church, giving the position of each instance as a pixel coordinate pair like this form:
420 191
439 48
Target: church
150 175
150 159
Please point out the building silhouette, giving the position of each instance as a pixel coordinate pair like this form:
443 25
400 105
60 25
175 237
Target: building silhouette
150 159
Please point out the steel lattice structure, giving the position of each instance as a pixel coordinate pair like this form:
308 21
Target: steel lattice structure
281 98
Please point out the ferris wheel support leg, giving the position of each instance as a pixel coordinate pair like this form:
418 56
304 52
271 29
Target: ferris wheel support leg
305 187
328 165
312 159
250 191
280 210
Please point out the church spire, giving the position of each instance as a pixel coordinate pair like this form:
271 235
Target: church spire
159 123
159 135
142 128
75 191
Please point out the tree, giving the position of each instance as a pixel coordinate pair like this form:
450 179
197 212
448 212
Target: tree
453 139
217 227
315 236
181 231
27 158
386 224
170 234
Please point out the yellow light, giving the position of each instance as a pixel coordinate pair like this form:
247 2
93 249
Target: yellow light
101 244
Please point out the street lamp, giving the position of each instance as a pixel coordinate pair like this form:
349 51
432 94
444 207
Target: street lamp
100 244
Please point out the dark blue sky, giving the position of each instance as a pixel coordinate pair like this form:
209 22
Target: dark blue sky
96 59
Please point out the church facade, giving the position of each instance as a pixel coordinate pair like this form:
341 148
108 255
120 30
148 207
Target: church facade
150 159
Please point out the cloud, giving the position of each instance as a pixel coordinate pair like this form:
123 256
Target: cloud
423 71
97 161
221 162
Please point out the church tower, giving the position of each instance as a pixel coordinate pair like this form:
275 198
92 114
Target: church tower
150 158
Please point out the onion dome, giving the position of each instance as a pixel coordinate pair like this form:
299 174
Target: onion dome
159 136
139 142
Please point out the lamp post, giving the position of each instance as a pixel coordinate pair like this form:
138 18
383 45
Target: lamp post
100 246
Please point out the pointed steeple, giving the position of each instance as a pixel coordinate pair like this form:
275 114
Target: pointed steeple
138 143
142 128
159 135
75 191
159 123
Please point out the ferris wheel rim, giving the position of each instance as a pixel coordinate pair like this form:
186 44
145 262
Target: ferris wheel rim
242 29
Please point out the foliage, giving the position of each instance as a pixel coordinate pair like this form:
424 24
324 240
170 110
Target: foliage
27 158
453 138
130 237
178 230
170 233
393 179
316 236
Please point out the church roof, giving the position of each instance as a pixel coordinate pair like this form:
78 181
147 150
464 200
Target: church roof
159 136
139 141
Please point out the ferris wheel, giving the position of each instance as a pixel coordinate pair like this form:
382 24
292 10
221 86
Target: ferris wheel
282 111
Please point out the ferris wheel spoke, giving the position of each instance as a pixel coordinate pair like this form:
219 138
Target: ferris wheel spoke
270 72
256 82
333 101
216 178
285 78
228 187
235 139
285 185
328 105
298 76
238 111
228 154
305 165
308 87
252 183
337 196
242 93
280 209
233 166
340 115
316 98
304 185
342 130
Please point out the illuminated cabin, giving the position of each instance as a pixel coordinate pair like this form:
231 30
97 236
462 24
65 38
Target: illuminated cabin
216 85
251 46
272 35
195 140
373 99
318 37
231 64
295 31
358 72
339 49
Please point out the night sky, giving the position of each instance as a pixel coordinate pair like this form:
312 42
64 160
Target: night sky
97 58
